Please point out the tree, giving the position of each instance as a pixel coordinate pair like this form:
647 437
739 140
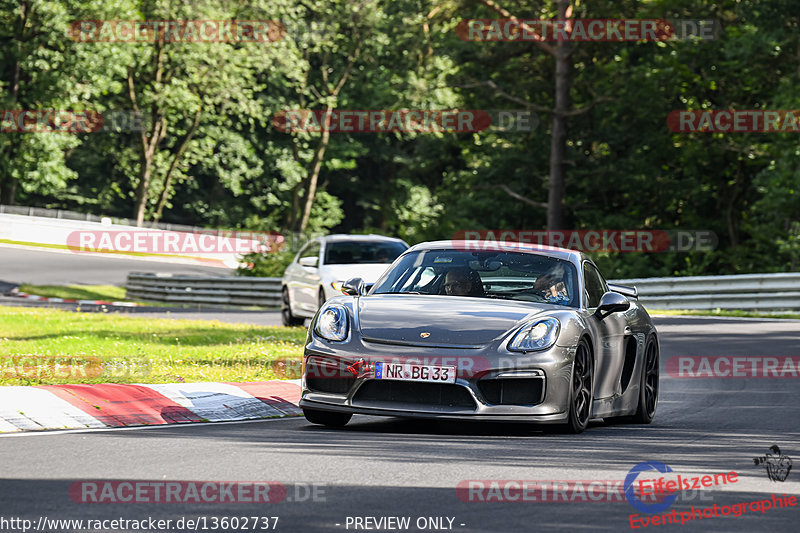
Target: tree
35 54
189 90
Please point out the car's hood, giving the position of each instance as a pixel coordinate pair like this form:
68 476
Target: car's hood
449 320
369 272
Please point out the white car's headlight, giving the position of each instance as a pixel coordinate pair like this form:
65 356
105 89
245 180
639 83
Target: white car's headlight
332 323
537 335
337 285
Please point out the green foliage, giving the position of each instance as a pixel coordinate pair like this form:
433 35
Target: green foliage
270 265
115 348
625 169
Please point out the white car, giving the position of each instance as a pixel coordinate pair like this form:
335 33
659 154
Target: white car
323 264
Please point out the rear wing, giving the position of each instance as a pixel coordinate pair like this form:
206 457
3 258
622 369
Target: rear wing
625 290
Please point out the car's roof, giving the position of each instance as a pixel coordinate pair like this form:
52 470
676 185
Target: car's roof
500 246
339 237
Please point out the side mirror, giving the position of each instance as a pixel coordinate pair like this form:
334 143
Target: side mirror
309 261
353 287
611 302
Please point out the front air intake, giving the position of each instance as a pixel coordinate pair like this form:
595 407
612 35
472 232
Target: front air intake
513 391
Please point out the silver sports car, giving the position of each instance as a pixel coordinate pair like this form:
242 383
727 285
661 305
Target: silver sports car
492 331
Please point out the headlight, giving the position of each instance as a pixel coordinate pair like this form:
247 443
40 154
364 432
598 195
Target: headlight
337 285
332 323
537 335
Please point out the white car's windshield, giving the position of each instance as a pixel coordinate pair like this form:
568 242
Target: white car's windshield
354 252
513 276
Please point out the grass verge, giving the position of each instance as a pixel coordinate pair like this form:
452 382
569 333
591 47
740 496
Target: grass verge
77 292
104 292
48 346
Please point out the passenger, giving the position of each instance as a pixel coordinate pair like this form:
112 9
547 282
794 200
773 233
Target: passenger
551 285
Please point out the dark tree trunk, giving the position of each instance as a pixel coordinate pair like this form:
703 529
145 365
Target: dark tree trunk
8 190
558 134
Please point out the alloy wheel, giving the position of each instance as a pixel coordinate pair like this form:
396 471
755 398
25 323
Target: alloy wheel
582 385
651 379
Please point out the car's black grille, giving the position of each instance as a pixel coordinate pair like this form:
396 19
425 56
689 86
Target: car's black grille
515 391
433 394
327 375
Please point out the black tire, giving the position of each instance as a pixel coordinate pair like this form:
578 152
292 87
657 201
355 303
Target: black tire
581 390
327 418
321 298
648 389
287 317
648 395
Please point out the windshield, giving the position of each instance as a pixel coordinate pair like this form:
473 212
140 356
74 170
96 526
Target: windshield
350 252
508 275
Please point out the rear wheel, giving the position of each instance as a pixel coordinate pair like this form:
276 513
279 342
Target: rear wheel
327 418
320 298
648 389
287 317
581 393
648 396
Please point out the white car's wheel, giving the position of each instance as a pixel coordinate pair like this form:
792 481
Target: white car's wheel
287 317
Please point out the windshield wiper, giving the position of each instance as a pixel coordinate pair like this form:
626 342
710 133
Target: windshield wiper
499 296
399 292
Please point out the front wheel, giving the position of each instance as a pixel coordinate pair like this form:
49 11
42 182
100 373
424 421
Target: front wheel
581 393
327 418
287 318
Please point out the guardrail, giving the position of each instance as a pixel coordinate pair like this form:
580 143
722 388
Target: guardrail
763 292
170 288
760 292
63 214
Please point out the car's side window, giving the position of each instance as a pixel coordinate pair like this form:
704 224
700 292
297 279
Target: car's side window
595 286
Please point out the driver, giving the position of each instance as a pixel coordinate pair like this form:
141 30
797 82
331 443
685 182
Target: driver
457 282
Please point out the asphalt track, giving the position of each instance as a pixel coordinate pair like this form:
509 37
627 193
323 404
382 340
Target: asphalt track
230 315
36 266
389 467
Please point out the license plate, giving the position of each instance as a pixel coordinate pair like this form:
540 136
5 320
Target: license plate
415 372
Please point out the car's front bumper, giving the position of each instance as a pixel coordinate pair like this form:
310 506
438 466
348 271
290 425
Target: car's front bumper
490 384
